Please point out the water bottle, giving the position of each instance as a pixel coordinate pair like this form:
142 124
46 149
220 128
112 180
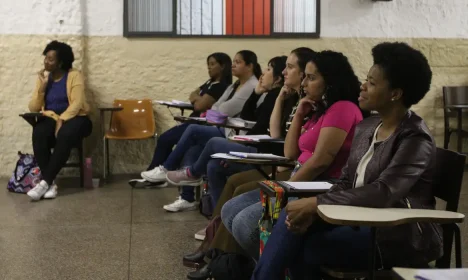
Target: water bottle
88 173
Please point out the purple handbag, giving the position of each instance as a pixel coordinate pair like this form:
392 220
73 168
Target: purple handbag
26 174
216 117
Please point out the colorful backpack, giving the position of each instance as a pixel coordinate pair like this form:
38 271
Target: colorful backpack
26 175
270 214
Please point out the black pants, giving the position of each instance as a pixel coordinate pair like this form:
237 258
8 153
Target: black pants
69 135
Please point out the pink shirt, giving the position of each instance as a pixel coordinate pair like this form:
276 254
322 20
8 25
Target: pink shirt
344 115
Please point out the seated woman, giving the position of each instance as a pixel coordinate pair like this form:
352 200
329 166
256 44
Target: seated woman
193 140
391 164
202 98
321 146
227 182
60 95
269 85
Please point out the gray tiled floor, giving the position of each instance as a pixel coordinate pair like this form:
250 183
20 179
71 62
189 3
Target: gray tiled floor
113 232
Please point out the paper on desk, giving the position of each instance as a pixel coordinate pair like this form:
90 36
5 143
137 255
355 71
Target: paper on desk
255 138
223 156
257 156
178 102
442 274
308 185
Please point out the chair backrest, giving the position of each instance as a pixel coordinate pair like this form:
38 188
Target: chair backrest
454 95
447 183
136 120
448 177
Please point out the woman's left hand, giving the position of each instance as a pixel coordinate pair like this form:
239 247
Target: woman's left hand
301 214
58 125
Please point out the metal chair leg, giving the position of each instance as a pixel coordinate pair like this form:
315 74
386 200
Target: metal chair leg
104 157
108 157
458 255
373 253
81 163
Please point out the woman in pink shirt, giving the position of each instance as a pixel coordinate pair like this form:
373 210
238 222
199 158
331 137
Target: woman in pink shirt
319 138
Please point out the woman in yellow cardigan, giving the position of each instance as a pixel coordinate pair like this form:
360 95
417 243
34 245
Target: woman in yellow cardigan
59 95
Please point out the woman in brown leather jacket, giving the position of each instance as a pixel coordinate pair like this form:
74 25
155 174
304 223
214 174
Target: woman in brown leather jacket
390 165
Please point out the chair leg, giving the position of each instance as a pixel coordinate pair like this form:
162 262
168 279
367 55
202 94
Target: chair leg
108 157
458 256
104 156
446 139
373 252
81 163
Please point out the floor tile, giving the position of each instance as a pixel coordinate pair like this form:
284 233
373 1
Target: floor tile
65 252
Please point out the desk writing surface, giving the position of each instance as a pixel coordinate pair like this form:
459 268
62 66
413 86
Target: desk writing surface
431 274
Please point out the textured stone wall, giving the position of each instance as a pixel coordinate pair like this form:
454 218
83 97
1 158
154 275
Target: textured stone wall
116 67
168 69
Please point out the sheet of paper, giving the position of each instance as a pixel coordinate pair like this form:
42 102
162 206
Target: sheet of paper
255 138
257 156
223 156
442 274
236 122
178 102
198 119
309 185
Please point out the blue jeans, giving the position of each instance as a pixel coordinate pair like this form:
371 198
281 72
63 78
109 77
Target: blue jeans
240 215
194 135
166 143
215 169
188 159
322 244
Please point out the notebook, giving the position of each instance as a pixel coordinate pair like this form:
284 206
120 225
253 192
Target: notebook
253 138
257 156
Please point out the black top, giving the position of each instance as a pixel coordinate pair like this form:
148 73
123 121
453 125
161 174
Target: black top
262 114
215 89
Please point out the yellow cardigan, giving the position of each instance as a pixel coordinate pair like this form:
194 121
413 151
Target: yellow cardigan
76 98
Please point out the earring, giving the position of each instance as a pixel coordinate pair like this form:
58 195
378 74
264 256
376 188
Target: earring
393 99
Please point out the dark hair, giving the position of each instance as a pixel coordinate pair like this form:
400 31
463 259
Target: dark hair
250 58
303 55
341 83
278 63
405 68
64 54
225 61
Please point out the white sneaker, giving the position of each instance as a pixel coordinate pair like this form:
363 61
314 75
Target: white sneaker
180 205
158 174
201 234
38 191
51 192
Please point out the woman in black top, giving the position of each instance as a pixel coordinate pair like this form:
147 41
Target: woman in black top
219 70
270 84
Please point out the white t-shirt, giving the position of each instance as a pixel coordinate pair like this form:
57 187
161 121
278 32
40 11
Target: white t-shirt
361 169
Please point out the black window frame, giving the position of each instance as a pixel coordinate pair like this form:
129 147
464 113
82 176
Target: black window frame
173 34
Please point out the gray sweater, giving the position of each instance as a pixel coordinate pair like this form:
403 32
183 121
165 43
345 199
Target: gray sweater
233 106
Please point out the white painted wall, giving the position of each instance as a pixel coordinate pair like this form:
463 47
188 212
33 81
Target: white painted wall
340 18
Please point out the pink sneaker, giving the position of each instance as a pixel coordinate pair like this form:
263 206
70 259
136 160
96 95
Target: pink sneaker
182 178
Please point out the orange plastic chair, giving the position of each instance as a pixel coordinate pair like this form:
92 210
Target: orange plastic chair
134 122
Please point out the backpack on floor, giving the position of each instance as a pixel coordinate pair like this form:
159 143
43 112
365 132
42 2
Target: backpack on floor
230 266
270 214
26 175
206 202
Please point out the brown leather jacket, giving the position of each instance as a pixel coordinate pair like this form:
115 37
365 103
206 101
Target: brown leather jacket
399 175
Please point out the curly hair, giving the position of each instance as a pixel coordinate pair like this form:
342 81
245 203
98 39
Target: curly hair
341 83
405 68
64 52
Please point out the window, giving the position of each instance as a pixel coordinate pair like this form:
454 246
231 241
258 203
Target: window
222 18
